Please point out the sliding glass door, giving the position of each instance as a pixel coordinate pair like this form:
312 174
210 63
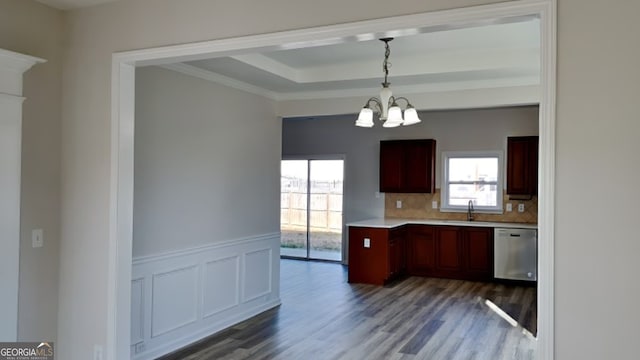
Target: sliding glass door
311 208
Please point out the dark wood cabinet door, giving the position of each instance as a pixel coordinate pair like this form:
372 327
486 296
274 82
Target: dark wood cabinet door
420 166
420 250
394 258
522 165
391 166
478 244
534 145
407 166
449 256
398 235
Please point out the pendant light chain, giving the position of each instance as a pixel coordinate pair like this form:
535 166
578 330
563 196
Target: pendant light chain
386 64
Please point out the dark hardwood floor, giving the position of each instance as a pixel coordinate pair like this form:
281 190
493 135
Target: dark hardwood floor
324 317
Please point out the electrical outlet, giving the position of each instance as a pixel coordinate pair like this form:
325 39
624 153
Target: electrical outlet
398 204
509 207
37 238
434 204
520 207
97 352
367 242
377 194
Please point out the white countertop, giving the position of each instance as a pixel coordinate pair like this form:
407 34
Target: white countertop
388 223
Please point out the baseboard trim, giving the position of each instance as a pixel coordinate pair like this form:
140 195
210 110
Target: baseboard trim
178 344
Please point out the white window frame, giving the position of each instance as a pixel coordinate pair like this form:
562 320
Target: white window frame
444 188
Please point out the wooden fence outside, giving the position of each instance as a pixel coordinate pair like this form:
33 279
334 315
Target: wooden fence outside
325 210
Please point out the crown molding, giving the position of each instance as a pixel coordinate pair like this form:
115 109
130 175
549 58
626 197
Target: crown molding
220 79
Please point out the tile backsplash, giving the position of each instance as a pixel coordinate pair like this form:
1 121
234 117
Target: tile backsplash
418 206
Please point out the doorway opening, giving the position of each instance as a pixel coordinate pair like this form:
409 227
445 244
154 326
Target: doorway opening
311 203
123 84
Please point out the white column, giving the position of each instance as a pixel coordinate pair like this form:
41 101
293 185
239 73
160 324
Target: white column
12 66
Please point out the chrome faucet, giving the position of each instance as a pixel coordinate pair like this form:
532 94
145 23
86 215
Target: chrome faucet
470 211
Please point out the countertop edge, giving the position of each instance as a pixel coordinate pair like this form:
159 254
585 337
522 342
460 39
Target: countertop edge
390 223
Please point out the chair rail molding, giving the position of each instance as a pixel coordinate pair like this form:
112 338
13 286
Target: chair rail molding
12 67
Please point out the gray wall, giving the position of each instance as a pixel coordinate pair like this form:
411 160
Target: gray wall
34 29
481 129
207 163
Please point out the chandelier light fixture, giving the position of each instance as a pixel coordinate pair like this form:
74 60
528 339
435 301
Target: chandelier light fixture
386 106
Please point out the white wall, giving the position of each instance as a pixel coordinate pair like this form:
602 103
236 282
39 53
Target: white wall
31 28
597 241
207 163
456 130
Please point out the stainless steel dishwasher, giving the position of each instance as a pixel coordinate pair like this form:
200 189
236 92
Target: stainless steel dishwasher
516 254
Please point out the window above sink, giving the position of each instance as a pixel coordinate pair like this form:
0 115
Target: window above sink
472 176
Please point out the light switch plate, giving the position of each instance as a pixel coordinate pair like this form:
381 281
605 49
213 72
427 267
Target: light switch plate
37 238
367 242
398 204
520 207
509 207
434 204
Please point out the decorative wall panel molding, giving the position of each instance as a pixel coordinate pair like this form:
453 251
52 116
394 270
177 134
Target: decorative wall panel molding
183 296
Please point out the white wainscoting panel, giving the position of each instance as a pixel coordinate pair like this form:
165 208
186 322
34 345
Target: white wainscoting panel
174 300
183 296
137 311
219 275
257 269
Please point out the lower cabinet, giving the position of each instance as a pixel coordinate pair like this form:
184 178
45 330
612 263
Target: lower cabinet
449 252
376 255
421 259
478 253
397 254
455 252
464 252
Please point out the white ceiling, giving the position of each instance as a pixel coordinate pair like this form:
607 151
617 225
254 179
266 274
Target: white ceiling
487 56
73 4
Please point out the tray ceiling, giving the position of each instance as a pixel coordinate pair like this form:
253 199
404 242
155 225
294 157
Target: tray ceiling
488 56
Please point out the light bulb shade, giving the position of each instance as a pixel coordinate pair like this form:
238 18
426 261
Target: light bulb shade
411 117
385 95
365 119
394 117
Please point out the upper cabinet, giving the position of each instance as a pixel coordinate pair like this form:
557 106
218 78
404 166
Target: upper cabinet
522 165
407 166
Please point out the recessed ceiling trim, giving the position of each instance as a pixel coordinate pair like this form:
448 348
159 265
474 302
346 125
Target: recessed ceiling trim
73 4
421 64
426 64
415 89
220 79
359 92
269 65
